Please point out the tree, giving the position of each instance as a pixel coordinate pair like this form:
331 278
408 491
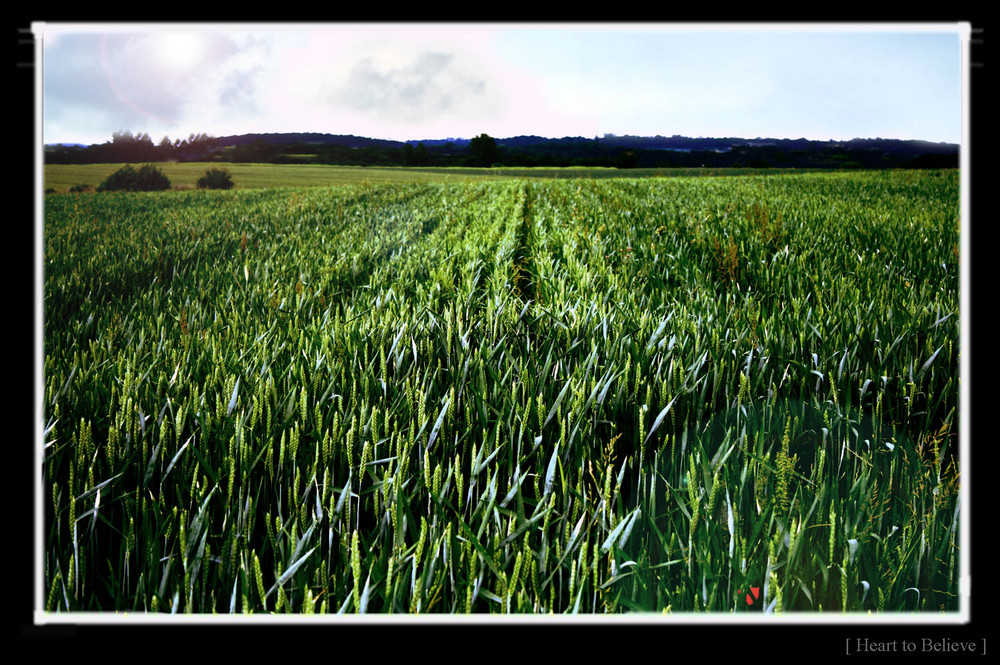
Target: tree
628 159
165 150
144 149
421 155
483 150
407 154
146 178
216 179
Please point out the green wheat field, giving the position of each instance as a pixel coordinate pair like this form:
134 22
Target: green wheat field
525 396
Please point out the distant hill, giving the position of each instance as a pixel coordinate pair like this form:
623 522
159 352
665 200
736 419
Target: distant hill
675 142
314 138
521 151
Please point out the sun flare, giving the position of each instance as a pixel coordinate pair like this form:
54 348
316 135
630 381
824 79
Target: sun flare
179 51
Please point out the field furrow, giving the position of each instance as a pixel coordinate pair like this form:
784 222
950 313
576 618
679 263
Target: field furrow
563 396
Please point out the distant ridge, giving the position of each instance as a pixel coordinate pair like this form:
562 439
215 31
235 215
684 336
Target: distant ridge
520 151
675 142
346 140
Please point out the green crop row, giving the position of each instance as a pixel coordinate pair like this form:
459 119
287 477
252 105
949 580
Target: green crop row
581 396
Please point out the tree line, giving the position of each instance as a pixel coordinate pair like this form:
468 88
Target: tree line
126 147
485 151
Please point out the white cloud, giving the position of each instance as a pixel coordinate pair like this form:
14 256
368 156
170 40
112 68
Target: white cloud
427 81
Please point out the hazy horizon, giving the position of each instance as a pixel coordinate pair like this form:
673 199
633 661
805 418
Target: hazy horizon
556 138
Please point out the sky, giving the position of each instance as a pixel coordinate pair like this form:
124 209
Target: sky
435 81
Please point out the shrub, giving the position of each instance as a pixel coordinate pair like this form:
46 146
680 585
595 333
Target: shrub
146 178
216 179
76 189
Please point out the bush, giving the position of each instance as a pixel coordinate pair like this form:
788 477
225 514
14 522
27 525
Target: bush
146 178
216 179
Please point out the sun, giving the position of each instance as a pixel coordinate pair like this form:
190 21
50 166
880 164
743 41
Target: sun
179 52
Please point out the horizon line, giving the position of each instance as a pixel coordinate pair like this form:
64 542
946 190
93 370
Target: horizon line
550 138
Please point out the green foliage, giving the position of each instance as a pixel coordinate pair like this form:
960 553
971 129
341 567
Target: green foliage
147 178
483 150
216 179
505 397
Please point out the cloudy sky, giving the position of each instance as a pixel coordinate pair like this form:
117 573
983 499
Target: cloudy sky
428 81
